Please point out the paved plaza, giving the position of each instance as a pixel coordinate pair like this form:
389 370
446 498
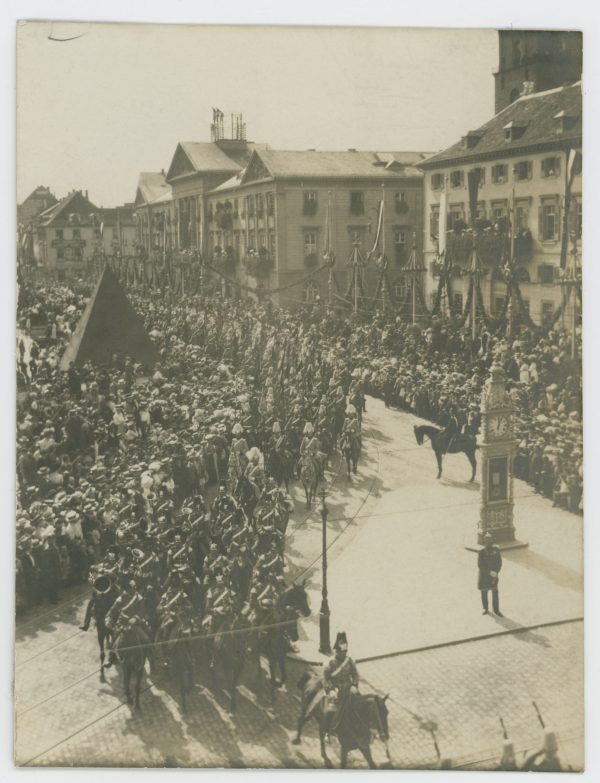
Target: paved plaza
398 572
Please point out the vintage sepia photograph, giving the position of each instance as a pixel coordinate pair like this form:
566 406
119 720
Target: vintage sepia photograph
299 438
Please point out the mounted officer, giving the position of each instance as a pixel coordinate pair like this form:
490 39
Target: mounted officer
340 680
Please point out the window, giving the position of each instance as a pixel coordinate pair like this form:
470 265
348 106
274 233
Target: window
272 245
401 196
548 222
311 291
498 304
525 304
399 288
250 206
270 203
457 179
499 173
547 313
59 233
546 274
260 205
76 233
68 254
400 202
262 239
60 254
523 170
434 222
456 217
457 302
550 167
437 181
400 245
310 202
77 254
357 204
499 209
310 243
522 216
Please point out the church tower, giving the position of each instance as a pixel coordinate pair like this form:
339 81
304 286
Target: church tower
534 61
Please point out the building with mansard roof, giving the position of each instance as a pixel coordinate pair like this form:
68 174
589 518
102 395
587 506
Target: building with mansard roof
522 155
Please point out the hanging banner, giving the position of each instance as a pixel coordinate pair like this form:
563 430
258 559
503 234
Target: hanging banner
442 223
473 177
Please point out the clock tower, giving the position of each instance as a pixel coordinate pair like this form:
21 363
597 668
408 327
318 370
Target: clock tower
497 449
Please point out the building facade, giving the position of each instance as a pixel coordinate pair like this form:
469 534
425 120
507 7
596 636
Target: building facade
37 201
522 154
71 234
270 225
153 215
535 61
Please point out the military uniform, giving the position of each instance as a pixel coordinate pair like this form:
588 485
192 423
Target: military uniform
489 563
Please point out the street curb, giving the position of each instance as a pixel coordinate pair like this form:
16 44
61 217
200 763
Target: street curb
452 643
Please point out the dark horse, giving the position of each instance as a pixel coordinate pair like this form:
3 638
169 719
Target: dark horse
273 642
464 444
280 466
350 449
309 478
246 496
227 646
363 714
133 647
176 642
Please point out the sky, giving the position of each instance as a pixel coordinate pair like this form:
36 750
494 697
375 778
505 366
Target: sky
95 111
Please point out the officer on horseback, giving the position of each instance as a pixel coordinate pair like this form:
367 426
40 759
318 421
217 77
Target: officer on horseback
340 680
450 432
310 448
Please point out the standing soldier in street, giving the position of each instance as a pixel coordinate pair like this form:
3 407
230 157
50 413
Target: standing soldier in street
489 562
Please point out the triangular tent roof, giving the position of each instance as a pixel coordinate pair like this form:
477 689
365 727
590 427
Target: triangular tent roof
109 326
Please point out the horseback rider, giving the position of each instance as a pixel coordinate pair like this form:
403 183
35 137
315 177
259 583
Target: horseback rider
104 594
238 455
254 471
450 433
340 680
219 604
129 606
351 427
310 447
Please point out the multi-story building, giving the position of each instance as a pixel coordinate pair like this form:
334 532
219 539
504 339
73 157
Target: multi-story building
68 235
271 223
37 201
535 61
522 154
198 167
154 213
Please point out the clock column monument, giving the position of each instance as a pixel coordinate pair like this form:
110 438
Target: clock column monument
497 450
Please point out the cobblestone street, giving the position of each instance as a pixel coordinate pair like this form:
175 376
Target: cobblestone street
457 673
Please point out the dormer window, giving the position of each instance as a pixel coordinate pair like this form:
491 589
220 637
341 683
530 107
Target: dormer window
513 131
565 122
471 139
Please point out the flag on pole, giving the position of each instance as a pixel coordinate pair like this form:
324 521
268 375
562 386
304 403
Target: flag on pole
378 234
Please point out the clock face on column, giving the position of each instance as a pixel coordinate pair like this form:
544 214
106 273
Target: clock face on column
498 426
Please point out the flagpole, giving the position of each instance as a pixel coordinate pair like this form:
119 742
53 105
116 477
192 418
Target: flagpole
383 292
330 251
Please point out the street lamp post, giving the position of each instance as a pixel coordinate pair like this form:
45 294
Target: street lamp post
324 615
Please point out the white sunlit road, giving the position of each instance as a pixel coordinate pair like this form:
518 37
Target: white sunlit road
403 587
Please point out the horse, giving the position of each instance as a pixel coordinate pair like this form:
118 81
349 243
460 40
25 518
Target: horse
132 647
245 494
464 444
175 642
362 714
228 647
280 467
273 642
309 478
350 449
